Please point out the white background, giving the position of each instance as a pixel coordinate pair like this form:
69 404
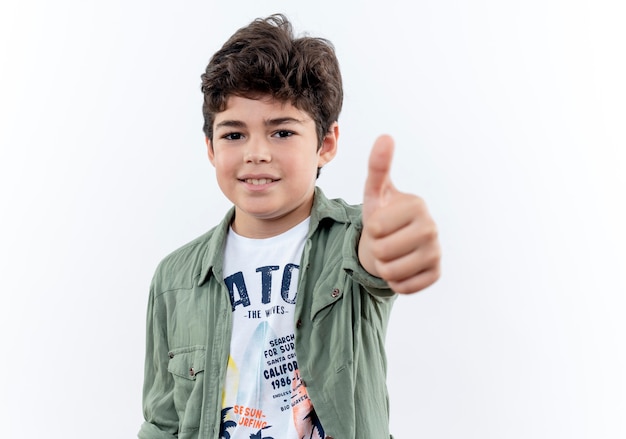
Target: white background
509 118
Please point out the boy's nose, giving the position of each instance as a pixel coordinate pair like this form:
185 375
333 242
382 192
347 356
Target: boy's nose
257 151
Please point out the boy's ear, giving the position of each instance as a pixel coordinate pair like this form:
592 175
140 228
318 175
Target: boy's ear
328 150
209 149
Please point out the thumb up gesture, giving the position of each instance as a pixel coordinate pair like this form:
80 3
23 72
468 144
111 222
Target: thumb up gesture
399 239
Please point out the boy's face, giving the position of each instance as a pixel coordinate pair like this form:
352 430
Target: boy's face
266 156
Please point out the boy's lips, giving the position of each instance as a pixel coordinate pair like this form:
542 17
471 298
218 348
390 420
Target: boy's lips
258 180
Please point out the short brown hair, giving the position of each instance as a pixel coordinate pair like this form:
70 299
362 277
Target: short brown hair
264 58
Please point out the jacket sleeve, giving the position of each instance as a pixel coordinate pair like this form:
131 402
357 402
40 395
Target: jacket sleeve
161 419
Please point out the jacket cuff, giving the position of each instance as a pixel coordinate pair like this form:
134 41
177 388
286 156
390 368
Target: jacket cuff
151 431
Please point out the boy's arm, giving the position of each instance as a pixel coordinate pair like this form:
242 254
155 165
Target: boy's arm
161 419
399 240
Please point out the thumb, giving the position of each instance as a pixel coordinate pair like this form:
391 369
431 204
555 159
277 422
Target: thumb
379 166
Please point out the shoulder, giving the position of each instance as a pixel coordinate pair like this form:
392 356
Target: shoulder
182 268
179 268
336 210
189 252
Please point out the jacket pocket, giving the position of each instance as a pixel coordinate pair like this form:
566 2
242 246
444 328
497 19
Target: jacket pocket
187 368
187 362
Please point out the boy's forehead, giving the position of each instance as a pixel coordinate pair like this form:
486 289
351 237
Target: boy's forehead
260 107
265 99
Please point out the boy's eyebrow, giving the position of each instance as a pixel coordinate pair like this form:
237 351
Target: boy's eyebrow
270 122
282 121
231 124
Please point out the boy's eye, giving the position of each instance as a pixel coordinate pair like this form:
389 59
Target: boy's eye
232 136
283 133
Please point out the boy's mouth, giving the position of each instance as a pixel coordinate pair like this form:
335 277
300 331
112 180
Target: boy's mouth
258 181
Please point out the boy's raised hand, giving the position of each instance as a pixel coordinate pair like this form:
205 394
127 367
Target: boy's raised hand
399 239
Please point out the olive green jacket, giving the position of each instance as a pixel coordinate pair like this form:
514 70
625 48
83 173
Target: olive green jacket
341 320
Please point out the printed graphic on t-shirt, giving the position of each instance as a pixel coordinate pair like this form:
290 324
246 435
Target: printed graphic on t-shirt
239 296
264 395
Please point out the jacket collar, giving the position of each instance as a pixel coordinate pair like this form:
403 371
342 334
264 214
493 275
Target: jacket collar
212 262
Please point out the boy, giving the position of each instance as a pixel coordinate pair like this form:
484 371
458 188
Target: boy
272 324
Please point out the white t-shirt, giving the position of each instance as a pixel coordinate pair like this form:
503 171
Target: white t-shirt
264 396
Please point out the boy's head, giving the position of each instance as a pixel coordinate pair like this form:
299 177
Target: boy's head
266 59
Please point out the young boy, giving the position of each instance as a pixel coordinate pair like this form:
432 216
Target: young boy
272 324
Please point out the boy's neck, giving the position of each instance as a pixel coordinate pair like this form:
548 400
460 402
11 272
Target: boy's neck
259 228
